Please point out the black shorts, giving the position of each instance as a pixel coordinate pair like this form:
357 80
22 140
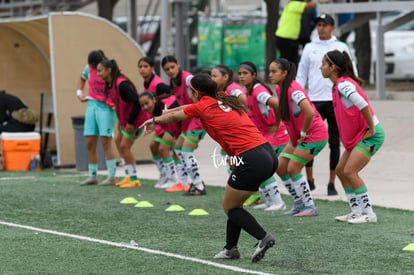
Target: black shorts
253 167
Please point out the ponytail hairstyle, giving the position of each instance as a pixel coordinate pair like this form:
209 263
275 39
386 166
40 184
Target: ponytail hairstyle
290 67
206 86
252 68
159 105
94 57
115 73
170 58
343 64
225 70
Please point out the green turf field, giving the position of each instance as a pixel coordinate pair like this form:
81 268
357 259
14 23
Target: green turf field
51 225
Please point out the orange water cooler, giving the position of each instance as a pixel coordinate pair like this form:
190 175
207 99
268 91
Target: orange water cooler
18 149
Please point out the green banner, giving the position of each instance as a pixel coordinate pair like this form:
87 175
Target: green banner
209 47
244 43
231 41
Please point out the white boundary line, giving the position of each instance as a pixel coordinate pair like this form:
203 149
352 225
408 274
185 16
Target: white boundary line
152 251
17 178
33 177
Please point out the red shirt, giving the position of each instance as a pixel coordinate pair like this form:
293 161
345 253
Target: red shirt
234 132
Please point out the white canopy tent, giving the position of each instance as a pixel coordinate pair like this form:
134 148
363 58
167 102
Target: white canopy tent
47 54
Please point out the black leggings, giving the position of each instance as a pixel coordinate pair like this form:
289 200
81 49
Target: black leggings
325 109
288 49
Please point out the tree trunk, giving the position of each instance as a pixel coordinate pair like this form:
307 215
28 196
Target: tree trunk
363 49
106 8
272 7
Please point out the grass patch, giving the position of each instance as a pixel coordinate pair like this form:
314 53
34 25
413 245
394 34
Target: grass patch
54 200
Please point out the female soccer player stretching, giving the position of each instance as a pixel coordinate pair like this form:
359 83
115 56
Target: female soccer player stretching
307 132
360 132
226 121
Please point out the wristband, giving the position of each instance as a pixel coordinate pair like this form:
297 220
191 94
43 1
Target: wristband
153 120
302 134
78 92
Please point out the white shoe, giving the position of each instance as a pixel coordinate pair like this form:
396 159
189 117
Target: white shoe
163 179
261 206
347 217
276 207
364 218
232 253
167 184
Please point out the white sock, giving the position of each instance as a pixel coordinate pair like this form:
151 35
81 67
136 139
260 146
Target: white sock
170 169
181 174
159 163
364 203
191 166
130 170
271 193
288 185
303 191
122 161
353 203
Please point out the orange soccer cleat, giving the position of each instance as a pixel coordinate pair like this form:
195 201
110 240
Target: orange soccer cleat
123 181
179 187
131 184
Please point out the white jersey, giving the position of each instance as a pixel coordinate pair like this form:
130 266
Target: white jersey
319 88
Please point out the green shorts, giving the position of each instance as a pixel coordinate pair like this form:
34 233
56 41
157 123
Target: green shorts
314 147
194 134
197 134
279 149
373 143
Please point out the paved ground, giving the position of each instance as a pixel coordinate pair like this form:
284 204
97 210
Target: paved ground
389 176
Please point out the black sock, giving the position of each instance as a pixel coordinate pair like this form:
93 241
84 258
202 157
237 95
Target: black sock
232 234
247 222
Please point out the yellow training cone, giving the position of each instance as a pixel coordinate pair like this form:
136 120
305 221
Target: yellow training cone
144 204
129 200
409 247
198 212
175 207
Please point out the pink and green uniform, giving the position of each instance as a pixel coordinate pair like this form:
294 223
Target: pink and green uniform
183 98
152 87
189 127
171 128
317 131
100 116
351 123
123 109
263 116
234 89
97 87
